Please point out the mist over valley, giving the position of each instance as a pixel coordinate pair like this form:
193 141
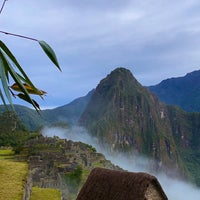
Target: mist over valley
174 187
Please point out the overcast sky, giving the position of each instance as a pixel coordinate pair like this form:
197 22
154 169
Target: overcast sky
155 39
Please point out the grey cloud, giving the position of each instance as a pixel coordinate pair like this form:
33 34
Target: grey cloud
91 38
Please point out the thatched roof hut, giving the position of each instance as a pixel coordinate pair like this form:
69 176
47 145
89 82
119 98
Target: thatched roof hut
105 184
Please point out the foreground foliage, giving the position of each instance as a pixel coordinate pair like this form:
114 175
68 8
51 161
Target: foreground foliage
10 69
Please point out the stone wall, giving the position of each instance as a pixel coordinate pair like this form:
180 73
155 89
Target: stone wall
27 188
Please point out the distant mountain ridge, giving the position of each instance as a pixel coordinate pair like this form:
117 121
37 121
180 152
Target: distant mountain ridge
181 91
67 114
127 116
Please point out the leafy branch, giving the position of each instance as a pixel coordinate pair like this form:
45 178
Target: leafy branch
22 84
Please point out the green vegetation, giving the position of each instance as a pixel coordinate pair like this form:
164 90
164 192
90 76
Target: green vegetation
90 147
192 163
12 176
73 179
77 178
6 153
12 132
45 194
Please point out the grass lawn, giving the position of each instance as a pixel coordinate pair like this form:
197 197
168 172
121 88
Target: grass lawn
45 194
12 176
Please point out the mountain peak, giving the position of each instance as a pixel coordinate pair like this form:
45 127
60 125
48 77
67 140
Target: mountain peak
120 98
121 72
120 78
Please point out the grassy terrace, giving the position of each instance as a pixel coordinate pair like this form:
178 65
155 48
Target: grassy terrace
45 194
12 176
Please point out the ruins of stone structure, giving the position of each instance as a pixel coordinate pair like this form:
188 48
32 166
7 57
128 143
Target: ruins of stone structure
50 159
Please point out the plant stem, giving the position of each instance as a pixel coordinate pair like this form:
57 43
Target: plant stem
17 35
3 6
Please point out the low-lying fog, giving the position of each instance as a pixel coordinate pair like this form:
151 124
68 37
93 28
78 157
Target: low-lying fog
175 189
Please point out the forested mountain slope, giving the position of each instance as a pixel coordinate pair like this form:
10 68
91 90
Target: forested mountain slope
127 116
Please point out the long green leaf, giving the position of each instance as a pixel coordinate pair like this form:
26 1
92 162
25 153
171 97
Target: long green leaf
23 89
17 79
4 102
14 60
3 76
49 52
24 97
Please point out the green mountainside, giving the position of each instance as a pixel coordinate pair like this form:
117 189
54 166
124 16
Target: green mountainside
181 91
12 131
67 114
127 116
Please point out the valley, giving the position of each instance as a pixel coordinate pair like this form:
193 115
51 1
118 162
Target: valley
123 118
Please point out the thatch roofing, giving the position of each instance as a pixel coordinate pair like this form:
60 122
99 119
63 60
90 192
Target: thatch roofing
105 184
